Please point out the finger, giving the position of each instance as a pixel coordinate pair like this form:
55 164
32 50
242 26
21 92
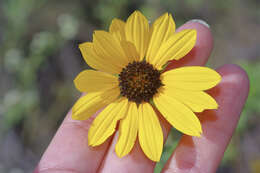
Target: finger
204 154
136 161
200 53
69 150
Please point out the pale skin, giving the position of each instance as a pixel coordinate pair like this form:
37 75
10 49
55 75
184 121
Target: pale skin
69 152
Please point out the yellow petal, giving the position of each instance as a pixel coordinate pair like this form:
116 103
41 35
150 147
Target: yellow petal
95 61
137 32
105 123
93 81
192 78
197 101
118 26
109 49
176 47
127 131
177 114
163 28
150 132
130 51
89 104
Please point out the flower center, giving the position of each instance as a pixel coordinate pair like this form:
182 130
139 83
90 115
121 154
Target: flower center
139 81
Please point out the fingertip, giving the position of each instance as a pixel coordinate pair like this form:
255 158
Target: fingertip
200 53
235 78
201 22
204 35
235 75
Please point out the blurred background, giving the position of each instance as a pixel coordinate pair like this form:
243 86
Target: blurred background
39 58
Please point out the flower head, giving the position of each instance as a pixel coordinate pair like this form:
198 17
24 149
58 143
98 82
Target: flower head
129 83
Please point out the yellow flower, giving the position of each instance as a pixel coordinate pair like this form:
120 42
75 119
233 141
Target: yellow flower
130 83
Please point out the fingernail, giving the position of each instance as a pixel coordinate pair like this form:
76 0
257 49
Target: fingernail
199 21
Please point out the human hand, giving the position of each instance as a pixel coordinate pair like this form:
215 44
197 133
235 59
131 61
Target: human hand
69 151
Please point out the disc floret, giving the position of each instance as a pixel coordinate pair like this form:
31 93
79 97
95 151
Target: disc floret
139 81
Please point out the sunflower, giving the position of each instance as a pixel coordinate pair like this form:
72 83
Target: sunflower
130 83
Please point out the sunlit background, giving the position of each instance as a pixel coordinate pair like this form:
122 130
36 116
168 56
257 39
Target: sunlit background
39 58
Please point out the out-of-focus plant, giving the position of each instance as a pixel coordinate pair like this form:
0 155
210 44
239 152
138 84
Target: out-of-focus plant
252 107
16 100
23 58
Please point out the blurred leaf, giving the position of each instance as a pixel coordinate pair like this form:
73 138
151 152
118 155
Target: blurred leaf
16 106
43 42
13 59
68 26
253 71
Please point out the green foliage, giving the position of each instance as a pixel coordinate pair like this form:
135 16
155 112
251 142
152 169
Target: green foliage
252 106
23 58
253 71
